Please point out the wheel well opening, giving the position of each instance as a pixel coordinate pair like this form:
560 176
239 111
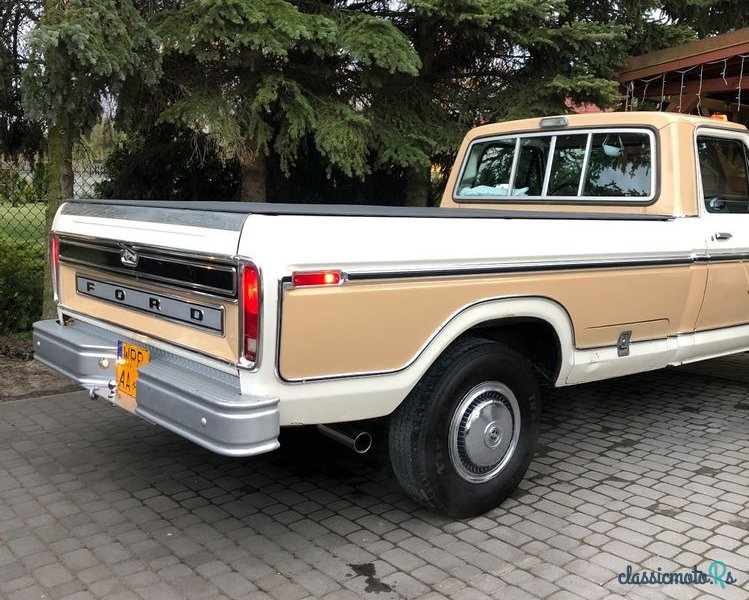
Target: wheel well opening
534 339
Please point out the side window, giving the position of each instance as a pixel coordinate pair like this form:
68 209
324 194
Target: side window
723 171
567 165
620 164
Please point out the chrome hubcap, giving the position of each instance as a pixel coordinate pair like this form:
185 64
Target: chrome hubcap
484 431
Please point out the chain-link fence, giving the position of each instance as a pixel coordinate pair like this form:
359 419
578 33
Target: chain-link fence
23 240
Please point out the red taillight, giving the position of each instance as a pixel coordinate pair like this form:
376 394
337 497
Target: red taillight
317 278
54 261
250 311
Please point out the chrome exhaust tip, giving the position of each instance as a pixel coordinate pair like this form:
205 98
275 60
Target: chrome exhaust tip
355 439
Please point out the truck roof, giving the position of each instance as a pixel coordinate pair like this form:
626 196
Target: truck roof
654 119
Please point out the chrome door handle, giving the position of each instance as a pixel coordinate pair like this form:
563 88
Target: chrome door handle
723 235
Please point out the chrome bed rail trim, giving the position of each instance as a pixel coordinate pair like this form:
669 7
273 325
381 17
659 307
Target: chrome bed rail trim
164 214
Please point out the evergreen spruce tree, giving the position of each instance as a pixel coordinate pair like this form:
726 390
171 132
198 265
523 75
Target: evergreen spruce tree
488 60
79 51
269 75
707 17
18 135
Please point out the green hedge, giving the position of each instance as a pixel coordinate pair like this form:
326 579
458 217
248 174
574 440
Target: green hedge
21 287
18 186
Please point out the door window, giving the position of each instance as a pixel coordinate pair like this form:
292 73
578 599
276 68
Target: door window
723 173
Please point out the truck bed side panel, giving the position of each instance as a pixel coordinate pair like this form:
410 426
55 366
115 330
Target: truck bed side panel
381 326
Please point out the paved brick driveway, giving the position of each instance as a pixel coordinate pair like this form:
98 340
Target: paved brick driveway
650 471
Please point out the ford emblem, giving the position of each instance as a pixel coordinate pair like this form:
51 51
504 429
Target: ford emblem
128 257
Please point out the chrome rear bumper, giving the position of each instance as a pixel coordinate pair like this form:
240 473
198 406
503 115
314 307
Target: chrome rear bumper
199 403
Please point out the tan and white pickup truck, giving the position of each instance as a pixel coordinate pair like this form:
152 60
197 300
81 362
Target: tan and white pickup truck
566 250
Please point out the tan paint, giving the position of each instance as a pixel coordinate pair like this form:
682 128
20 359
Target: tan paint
222 347
645 330
726 298
678 195
380 326
675 142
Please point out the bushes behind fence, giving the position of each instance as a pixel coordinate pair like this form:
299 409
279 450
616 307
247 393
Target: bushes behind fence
21 287
23 186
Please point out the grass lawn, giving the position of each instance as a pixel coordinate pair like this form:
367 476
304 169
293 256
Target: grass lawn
22 223
23 228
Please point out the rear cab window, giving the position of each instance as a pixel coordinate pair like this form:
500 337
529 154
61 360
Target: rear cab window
596 166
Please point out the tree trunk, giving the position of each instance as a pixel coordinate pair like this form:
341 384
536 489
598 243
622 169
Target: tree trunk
419 178
417 188
253 164
60 188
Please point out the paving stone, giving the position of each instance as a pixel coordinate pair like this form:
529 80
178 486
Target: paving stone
724 542
141 579
403 559
663 549
316 583
629 536
63 590
627 477
112 553
160 591
106 587
33 592
78 560
582 587
52 575
732 531
515 593
469 594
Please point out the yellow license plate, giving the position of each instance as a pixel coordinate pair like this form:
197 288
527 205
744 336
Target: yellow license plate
129 358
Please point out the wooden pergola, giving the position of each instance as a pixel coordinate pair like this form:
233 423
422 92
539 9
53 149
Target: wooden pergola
706 76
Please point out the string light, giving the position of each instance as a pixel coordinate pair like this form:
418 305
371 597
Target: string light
741 80
663 92
647 83
633 105
681 89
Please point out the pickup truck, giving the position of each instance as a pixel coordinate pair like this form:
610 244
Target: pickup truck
566 250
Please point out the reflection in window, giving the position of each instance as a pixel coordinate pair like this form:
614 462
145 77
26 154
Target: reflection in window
567 166
723 175
488 169
612 164
619 165
534 152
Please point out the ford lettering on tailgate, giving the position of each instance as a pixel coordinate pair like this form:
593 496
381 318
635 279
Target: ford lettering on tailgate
182 311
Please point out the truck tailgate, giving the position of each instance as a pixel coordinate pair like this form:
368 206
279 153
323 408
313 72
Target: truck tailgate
168 274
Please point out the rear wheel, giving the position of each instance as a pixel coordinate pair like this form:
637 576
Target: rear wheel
463 439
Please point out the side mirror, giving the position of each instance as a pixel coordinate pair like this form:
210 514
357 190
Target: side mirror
716 204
